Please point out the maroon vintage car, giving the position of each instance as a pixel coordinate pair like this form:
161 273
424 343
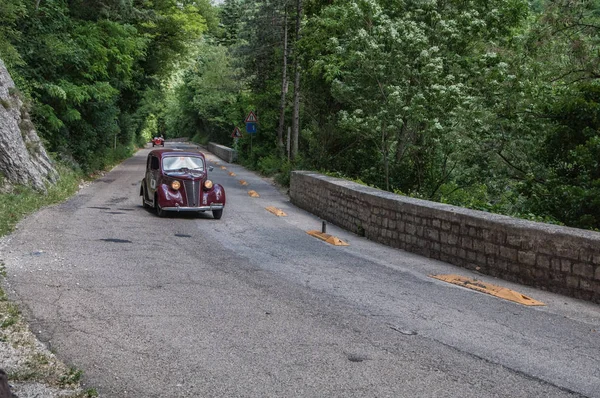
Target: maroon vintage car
158 141
178 181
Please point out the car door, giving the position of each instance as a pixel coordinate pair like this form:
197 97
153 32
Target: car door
152 175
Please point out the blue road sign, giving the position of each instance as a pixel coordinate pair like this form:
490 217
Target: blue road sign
251 128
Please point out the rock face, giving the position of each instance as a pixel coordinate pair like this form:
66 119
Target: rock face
23 159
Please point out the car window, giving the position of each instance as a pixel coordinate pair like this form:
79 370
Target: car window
173 163
154 164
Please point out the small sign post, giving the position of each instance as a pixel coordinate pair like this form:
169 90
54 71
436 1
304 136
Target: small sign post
236 136
251 126
236 133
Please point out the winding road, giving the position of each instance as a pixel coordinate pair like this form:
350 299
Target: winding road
252 306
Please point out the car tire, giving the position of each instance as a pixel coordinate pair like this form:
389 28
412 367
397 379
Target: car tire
217 214
159 211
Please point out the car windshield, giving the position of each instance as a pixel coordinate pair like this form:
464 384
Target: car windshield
178 163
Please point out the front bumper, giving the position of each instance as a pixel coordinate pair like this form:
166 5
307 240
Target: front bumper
213 206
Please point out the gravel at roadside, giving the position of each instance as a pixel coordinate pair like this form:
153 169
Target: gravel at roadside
33 371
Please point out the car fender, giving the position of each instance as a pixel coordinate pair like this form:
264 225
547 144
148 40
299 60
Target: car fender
167 197
215 195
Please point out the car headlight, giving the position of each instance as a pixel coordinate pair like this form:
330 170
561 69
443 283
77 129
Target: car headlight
208 184
175 185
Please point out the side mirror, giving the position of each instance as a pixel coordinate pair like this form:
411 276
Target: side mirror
210 168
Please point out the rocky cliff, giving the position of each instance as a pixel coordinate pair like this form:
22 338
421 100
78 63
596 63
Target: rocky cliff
23 159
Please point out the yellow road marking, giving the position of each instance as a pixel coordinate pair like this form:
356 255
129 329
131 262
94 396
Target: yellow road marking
231 173
223 168
243 182
276 211
253 194
480 286
327 238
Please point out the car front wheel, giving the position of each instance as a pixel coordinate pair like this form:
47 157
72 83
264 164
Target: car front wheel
159 211
217 214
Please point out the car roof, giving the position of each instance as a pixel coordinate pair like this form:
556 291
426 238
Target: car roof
161 153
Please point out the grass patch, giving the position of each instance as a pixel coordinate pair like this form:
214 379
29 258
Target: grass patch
23 200
11 316
71 378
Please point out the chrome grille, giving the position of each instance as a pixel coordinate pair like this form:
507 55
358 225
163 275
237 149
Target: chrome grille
192 192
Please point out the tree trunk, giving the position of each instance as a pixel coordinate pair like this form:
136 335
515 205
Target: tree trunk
386 158
296 111
23 159
284 84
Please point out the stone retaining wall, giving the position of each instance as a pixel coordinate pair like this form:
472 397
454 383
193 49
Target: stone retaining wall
559 259
227 154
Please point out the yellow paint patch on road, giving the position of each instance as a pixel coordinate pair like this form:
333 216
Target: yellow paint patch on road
243 182
484 287
231 173
276 211
253 194
223 168
327 238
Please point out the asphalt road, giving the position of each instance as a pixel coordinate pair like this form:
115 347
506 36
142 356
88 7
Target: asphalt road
252 306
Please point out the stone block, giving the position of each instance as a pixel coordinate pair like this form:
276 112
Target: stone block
410 229
543 261
526 258
446 225
568 251
444 238
400 226
499 238
471 255
481 259
555 264
446 249
479 245
433 234
540 274
565 265
491 248
513 240
572 281
584 270
436 223
452 239
466 242
508 253
514 268
585 284
586 255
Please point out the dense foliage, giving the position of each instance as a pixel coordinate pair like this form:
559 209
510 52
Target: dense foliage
493 105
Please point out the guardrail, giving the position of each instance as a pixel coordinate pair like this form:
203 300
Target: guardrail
225 153
559 259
